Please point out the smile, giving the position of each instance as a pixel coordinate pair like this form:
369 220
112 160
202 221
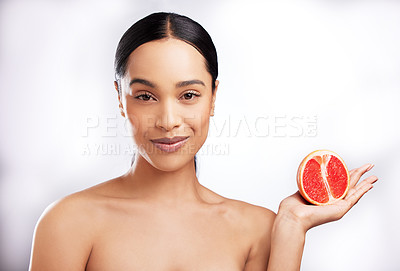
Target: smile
170 144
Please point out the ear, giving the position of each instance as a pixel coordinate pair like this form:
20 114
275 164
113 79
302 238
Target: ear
121 107
214 96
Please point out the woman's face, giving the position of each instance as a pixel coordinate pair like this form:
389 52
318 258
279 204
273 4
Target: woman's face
166 94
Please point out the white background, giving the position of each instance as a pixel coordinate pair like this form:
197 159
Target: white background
283 66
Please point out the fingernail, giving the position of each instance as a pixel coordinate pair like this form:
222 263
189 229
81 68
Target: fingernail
370 166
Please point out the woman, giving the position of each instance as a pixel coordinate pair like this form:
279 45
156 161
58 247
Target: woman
157 216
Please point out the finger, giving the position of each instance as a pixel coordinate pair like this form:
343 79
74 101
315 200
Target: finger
354 197
370 180
298 198
360 170
352 171
356 173
365 167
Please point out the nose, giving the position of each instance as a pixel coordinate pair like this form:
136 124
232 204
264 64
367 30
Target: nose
169 116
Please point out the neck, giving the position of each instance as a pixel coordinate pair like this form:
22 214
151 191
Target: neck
168 187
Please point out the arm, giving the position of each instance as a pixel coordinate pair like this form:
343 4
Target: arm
287 242
295 218
62 240
262 224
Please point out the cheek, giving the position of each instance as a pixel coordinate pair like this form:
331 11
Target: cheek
199 121
131 125
136 124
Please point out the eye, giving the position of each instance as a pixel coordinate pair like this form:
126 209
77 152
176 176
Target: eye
145 97
190 95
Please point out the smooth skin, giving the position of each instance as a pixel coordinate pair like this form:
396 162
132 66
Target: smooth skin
157 216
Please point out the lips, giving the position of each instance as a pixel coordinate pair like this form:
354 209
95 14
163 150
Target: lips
170 144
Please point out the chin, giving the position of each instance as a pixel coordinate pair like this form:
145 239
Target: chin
170 163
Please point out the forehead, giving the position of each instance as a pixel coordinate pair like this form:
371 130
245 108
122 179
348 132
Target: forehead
167 61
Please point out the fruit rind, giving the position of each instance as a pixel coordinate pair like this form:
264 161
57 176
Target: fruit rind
301 170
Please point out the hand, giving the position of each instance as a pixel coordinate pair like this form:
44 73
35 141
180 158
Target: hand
295 209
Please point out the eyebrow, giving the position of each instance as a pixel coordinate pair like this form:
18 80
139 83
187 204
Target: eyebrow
189 82
141 81
178 85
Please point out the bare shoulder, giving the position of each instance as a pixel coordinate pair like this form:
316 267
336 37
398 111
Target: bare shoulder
257 225
246 214
258 218
65 232
80 208
74 206
249 213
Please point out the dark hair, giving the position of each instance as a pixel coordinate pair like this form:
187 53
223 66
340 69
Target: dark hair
161 25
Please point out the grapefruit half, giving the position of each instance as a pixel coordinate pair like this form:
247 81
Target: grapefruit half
323 177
